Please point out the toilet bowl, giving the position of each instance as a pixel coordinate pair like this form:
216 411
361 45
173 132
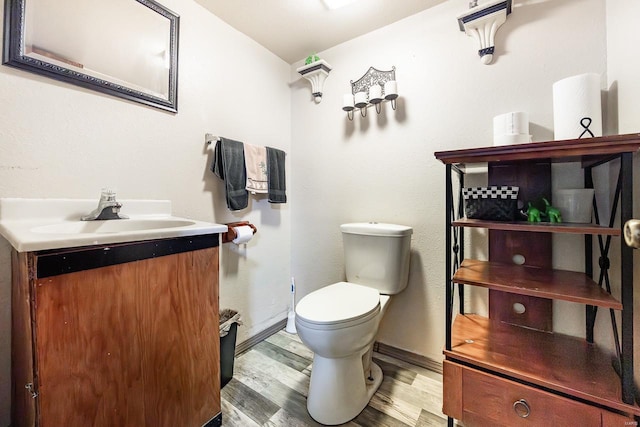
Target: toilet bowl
339 322
343 378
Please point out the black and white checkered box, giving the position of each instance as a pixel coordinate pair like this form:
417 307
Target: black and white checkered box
495 203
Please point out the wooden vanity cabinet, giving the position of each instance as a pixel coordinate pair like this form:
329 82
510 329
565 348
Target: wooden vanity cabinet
511 368
118 335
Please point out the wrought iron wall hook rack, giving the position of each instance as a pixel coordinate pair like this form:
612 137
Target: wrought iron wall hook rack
372 88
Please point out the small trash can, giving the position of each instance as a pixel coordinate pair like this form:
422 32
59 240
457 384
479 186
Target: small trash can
229 321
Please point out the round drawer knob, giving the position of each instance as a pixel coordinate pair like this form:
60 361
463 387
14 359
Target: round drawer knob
521 408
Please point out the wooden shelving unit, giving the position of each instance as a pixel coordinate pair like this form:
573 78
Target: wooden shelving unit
529 358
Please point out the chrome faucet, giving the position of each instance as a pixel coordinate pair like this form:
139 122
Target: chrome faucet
108 208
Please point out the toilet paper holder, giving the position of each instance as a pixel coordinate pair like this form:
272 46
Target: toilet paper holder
230 235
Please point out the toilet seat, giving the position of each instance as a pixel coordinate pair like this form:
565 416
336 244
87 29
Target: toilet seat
339 305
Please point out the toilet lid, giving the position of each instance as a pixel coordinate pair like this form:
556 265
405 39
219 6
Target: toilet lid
338 303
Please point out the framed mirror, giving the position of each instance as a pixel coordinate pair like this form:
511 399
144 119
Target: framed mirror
125 48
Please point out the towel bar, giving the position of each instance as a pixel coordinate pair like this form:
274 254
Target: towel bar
209 138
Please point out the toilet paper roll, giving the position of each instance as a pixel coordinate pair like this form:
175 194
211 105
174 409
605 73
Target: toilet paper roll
517 138
244 233
632 233
516 122
577 107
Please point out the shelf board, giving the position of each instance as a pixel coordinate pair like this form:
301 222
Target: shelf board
589 151
533 281
562 363
540 227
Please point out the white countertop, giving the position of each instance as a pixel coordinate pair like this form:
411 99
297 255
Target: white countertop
39 224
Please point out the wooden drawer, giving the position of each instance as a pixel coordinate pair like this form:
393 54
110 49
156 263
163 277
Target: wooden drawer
479 399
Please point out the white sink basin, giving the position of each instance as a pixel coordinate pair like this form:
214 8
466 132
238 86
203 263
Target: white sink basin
41 224
111 226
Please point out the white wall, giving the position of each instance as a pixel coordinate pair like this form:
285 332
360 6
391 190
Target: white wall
382 168
59 140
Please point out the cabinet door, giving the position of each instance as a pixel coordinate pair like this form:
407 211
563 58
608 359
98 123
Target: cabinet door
131 344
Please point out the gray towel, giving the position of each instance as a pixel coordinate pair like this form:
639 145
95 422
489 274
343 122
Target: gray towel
228 165
276 175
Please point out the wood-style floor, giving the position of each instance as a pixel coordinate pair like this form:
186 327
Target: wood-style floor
271 380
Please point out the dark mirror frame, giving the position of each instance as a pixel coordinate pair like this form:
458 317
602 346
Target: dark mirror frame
13 55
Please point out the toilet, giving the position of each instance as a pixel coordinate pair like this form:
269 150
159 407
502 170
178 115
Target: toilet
339 322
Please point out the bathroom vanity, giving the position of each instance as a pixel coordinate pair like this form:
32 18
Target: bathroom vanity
512 368
120 333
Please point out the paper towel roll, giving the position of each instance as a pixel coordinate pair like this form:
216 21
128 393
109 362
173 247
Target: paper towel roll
574 99
244 233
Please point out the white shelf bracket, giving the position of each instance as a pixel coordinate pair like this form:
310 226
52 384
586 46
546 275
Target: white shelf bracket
316 72
482 22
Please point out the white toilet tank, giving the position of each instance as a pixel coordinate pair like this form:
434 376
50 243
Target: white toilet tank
377 255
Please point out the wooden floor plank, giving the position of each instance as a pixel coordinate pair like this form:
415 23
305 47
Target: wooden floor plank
417 369
428 385
427 419
396 408
284 418
396 372
290 400
234 417
262 366
290 343
412 396
249 401
283 356
370 417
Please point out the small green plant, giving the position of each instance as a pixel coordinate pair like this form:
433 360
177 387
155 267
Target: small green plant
311 58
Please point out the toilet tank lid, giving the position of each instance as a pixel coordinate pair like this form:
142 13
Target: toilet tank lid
376 229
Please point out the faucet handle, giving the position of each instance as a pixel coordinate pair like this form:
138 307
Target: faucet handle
107 194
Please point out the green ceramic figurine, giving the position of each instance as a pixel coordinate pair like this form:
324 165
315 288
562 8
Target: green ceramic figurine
533 214
550 212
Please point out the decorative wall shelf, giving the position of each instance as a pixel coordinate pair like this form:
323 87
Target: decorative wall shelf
482 23
316 72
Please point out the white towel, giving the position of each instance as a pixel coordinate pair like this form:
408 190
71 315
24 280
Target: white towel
255 158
